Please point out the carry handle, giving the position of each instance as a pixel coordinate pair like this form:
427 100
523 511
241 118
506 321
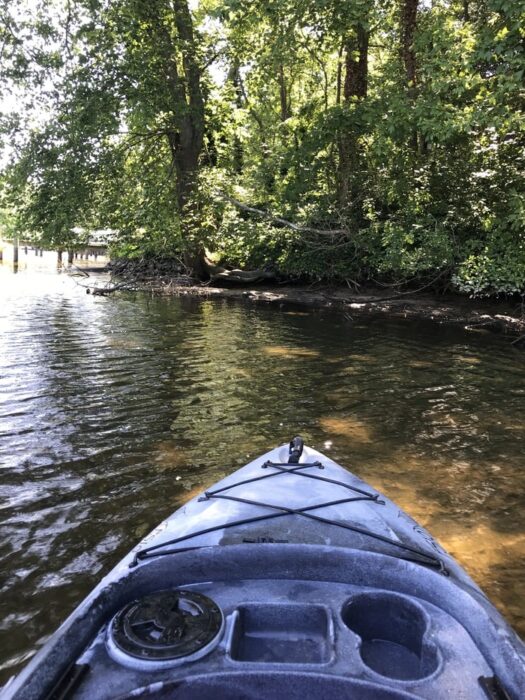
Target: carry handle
296 450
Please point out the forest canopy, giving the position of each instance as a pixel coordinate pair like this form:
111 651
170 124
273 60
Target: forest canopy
321 139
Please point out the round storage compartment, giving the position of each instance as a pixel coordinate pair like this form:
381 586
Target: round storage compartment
392 629
165 629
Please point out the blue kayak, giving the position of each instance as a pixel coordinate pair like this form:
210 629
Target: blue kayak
291 578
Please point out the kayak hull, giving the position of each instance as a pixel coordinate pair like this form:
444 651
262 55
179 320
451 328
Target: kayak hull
304 617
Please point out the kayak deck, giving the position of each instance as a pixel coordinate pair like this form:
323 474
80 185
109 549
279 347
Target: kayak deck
313 501
223 601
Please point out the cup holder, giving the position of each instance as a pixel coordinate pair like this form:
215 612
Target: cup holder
392 630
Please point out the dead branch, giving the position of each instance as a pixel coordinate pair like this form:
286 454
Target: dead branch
278 220
412 291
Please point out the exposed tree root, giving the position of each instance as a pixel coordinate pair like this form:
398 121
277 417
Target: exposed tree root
221 274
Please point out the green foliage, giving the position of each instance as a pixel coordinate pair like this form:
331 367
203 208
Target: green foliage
8 227
407 249
498 268
245 243
422 175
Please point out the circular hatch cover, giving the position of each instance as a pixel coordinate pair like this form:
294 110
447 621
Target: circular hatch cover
166 625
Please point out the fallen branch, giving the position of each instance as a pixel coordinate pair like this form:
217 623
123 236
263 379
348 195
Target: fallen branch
278 220
111 287
410 291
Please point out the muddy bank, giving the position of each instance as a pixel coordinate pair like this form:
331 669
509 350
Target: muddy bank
473 314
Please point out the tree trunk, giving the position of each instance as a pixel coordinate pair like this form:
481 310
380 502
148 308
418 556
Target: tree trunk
409 10
354 89
356 65
186 137
186 143
238 150
283 95
185 130
339 73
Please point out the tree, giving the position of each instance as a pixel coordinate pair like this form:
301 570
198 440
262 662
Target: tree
130 79
357 140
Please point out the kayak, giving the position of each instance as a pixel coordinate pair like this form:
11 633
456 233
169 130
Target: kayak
291 578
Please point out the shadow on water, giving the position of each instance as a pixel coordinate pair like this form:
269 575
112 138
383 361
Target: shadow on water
115 411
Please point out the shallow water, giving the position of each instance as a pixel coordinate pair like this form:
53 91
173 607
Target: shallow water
114 411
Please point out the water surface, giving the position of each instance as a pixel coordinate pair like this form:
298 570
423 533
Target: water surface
114 411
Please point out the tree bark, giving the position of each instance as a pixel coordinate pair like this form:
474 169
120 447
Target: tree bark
186 143
172 33
356 65
355 87
283 95
339 73
409 9
185 133
238 150
408 30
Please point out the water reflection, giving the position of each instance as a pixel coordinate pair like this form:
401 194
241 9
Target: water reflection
350 428
113 411
468 529
288 353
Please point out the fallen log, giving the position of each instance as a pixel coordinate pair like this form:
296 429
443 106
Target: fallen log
217 273
242 276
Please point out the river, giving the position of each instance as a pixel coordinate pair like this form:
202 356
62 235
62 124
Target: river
114 411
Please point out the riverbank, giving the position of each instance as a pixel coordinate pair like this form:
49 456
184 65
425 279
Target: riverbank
473 314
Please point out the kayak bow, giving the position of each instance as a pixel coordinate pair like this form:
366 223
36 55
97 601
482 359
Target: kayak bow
289 578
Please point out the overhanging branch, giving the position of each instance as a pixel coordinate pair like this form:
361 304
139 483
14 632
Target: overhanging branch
278 220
